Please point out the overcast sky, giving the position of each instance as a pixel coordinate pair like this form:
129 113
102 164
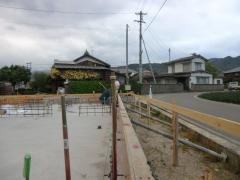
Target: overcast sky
210 28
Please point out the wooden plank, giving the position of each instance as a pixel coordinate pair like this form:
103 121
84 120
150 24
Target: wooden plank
228 126
19 99
138 167
149 113
175 138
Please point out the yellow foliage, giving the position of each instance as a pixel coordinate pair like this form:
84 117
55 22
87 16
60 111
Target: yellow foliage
54 73
74 74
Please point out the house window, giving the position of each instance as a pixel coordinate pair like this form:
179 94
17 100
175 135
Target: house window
198 66
173 68
186 67
202 80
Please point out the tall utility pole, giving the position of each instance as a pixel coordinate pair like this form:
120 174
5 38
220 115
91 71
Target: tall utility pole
29 66
127 54
140 21
169 54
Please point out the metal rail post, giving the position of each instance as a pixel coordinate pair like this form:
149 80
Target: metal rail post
65 139
175 136
114 128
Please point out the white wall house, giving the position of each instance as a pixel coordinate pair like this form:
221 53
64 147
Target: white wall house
189 70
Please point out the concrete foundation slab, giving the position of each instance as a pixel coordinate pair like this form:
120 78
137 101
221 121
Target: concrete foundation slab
42 138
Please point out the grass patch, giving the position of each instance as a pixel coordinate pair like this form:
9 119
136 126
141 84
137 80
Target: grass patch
228 97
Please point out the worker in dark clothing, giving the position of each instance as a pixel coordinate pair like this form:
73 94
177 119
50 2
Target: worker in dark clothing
105 96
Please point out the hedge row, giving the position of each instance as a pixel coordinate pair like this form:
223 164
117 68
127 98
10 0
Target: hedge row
228 97
75 87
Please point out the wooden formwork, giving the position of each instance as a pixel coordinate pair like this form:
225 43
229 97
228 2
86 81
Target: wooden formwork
22 99
223 145
138 167
226 125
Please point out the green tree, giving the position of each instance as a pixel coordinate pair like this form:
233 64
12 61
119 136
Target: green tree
41 82
211 69
4 73
15 74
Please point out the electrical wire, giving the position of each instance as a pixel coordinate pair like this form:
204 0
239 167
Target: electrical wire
155 16
156 39
61 12
149 62
62 26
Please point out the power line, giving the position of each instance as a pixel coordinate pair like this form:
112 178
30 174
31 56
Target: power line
149 62
156 39
61 12
63 26
155 50
155 15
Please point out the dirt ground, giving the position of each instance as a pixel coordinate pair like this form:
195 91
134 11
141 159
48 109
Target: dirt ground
192 163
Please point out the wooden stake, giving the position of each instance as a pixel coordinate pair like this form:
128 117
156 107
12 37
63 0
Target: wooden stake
65 139
175 136
114 127
149 112
140 109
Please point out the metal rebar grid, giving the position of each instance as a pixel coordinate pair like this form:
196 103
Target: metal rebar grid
30 109
93 109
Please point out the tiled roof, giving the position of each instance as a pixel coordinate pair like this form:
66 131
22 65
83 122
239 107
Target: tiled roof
75 62
237 69
74 66
188 58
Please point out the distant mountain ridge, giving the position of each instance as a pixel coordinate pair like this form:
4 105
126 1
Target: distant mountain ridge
226 63
223 64
159 68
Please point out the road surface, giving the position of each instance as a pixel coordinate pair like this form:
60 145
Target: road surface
190 100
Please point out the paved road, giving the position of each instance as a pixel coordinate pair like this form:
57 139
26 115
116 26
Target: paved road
189 100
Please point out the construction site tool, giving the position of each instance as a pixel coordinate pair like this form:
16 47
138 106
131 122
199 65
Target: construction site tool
26 166
102 85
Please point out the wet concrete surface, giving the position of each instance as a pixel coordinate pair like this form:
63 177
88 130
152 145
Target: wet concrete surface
42 138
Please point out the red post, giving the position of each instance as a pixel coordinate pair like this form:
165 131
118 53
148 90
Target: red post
114 128
65 140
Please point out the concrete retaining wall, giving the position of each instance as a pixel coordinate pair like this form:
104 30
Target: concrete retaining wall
207 87
162 88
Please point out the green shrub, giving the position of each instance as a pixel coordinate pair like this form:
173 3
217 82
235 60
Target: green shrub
85 86
26 91
135 86
229 97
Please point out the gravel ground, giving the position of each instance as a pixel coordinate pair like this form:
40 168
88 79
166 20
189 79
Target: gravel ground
192 163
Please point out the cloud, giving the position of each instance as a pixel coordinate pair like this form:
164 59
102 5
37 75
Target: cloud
207 27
